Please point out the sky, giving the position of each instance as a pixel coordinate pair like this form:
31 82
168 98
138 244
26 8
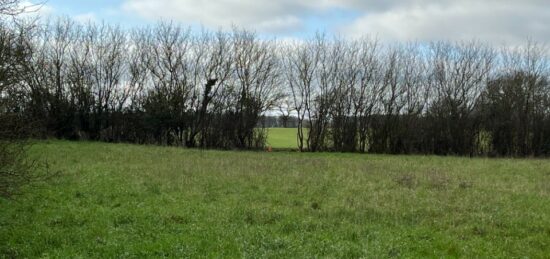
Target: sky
493 21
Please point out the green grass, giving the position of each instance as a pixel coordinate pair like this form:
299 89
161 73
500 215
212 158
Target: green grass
118 200
282 138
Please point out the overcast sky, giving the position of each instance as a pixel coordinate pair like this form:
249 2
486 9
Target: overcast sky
495 21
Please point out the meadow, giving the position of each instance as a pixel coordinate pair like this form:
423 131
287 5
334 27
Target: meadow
122 200
282 138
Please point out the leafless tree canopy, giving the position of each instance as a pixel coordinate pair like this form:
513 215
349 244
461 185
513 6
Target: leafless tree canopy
173 86
15 128
15 7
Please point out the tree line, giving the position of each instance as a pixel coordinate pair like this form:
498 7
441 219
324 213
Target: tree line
463 98
170 85
161 85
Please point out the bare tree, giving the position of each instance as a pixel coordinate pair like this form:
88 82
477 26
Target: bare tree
285 109
301 61
170 85
368 90
459 74
16 169
16 7
256 85
347 71
211 70
515 102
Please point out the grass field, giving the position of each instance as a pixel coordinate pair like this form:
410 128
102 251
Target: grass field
119 200
283 138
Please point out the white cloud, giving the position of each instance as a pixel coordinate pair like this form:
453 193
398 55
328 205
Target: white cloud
34 9
490 20
42 10
495 21
263 15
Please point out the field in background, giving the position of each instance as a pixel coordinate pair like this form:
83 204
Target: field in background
283 138
118 200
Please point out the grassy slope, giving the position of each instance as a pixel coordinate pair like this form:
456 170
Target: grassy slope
116 200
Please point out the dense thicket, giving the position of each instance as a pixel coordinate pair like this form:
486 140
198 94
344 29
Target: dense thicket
170 85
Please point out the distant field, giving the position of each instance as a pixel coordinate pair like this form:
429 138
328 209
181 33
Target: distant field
282 137
119 200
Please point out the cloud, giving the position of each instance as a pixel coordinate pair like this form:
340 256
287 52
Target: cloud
43 10
495 21
35 8
263 15
490 20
